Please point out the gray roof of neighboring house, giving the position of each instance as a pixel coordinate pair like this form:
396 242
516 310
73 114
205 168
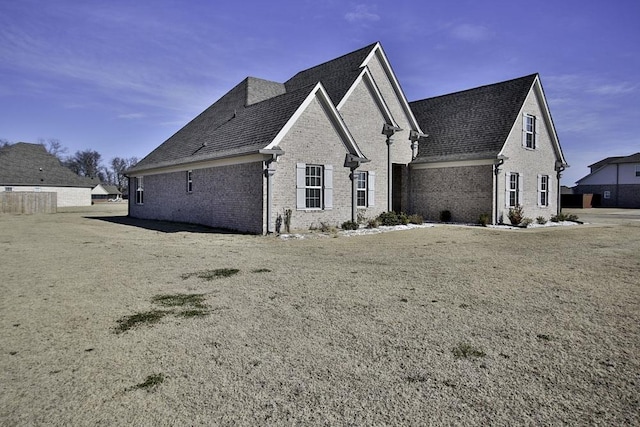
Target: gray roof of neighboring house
30 164
111 189
249 116
633 158
472 124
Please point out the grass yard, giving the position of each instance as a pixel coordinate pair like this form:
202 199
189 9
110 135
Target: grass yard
109 321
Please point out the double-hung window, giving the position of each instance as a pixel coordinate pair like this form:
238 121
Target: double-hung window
543 190
637 170
189 181
361 189
314 186
529 131
513 190
139 181
365 189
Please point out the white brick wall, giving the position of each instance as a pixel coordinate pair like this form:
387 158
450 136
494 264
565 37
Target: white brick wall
530 163
66 196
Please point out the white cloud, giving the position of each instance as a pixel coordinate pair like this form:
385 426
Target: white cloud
362 13
613 89
471 33
568 83
131 116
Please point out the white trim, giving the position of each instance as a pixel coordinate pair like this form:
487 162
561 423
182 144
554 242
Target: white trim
334 116
189 176
386 66
366 76
202 164
453 164
546 115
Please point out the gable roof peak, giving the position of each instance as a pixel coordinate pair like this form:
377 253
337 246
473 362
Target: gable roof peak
340 69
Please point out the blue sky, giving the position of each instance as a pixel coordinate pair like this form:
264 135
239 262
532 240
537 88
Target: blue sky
120 77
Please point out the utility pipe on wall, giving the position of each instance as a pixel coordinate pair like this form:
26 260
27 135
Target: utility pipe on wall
496 171
388 131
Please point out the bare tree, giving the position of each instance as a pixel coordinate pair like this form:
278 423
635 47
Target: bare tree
86 163
118 166
54 146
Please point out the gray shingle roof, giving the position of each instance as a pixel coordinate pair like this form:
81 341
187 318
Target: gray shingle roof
336 75
30 164
472 124
251 114
228 127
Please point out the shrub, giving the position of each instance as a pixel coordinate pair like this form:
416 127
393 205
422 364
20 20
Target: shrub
445 216
515 215
541 220
350 225
564 217
572 217
373 223
287 220
392 218
484 219
526 222
415 219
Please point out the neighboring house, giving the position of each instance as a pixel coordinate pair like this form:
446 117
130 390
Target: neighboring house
312 146
616 180
29 167
105 193
488 149
339 141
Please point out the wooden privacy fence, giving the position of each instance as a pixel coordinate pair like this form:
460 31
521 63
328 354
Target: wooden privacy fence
25 202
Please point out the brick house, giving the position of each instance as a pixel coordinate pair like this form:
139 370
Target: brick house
616 180
312 145
489 149
333 142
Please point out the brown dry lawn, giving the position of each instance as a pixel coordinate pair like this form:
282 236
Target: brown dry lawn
443 325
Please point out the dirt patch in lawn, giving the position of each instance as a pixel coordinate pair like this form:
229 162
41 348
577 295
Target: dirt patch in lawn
441 325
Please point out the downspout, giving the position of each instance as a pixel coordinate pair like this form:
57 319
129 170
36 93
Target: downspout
354 193
414 137
388 131
559 168
269 171
496 171
353 162
128 196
